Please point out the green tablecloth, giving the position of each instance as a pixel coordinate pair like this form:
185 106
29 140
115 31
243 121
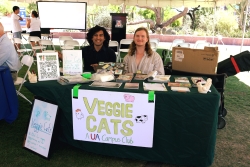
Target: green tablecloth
184 128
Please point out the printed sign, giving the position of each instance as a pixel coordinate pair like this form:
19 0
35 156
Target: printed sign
72 62
22 13
41 127
47 66
113 117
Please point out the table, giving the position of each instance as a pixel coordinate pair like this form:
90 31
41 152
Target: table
184 128
8 96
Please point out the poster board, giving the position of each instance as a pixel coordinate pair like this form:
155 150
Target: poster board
47 66
40 128
121 118
72 62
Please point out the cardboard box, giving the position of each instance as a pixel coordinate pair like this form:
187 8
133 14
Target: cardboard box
202 61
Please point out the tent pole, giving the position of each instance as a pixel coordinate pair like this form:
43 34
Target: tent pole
244 28
214 22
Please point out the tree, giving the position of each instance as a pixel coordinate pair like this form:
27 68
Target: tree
240 10
5 7
156 21
31 6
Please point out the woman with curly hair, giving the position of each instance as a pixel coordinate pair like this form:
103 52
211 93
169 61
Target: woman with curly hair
141 58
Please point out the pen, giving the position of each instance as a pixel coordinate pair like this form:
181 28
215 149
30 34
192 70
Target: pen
164 86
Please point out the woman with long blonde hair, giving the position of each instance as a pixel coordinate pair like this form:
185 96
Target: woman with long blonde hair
141 58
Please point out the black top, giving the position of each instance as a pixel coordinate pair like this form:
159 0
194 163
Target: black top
91 56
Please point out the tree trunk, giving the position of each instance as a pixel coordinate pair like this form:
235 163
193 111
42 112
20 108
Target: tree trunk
171 20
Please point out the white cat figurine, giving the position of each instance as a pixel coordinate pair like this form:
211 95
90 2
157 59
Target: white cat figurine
204 88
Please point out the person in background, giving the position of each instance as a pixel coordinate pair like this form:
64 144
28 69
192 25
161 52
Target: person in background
34 25
8 54
16 27
141 58
98 50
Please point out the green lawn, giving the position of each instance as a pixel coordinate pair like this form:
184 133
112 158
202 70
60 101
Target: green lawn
232 146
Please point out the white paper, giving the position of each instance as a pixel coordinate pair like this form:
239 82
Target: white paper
154 86
121 118
72 62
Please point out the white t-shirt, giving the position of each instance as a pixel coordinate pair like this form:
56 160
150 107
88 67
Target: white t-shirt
16 27
35 24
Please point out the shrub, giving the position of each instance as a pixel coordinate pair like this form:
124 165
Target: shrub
226 23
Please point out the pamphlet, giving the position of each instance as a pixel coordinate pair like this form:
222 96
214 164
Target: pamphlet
140 77
66 80
131 86
106 84
180 89
154 86
160 78
181 79
124 78
179 84
195 80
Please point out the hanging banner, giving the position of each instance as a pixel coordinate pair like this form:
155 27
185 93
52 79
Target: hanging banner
121 118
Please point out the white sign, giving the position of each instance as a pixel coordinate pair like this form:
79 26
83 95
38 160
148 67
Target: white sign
47 66
41 127
72 62
121 118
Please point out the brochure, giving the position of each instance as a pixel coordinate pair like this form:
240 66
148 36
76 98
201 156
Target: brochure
106 84
124 78
180 89
140 77
179 84
154 86
195 80
160 78
66 80
131 86
181 79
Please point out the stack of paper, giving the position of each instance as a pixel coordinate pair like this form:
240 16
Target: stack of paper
160 78
65 80
154 86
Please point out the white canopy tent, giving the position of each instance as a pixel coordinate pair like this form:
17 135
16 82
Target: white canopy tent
155 3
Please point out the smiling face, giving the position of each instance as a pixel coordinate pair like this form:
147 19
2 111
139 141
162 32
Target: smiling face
98 38
140 38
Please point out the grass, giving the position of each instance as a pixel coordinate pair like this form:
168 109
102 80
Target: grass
232 144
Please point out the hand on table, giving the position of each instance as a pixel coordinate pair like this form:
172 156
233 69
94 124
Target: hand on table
94 66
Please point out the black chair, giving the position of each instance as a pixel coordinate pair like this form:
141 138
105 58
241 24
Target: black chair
45 32
218 80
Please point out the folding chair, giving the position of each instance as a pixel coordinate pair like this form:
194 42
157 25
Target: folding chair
70 45
156 40
202 45
184 45
46 44
153 45
174 43
26 61
114 44
85 43
219 39
123 43
62 39
19 50
198 42
36 47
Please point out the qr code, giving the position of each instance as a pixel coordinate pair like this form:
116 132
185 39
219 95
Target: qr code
48 70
